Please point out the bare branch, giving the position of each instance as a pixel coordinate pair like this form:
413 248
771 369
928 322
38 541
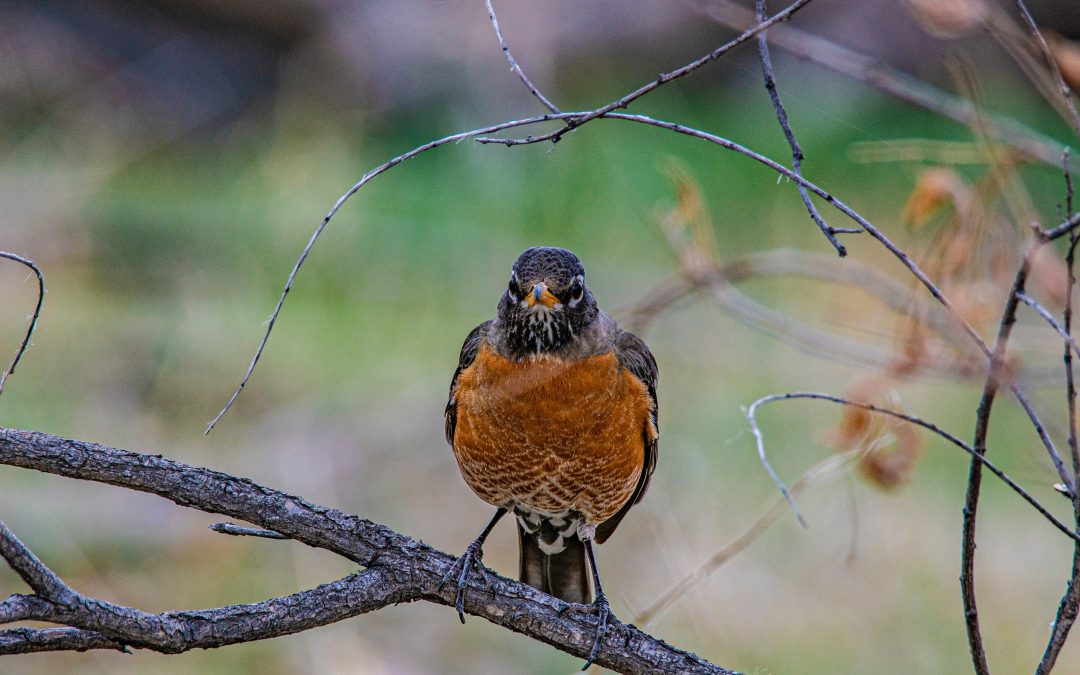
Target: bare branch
933 428
176 632
781 116
377 171
662 79
36 575
1070 601
1067 226
513 64
1049 318
400 568
34 319
971 502
882 77
32 640
1051 63
899 253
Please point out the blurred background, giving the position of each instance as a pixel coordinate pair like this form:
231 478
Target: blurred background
165 162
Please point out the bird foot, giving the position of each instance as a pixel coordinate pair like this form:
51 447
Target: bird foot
474 552
603 613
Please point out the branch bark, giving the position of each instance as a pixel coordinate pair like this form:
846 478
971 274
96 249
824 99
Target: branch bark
400 569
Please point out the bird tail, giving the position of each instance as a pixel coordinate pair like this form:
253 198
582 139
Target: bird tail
562 574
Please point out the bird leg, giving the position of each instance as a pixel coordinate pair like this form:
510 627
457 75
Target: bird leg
474 552
600 604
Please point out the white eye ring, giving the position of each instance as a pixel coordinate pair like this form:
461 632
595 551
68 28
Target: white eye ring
513 288
577 290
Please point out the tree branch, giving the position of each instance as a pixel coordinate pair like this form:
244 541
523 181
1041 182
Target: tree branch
781 116
33 320
401 569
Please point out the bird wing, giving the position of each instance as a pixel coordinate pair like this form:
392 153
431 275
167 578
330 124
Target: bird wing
469 350
634 355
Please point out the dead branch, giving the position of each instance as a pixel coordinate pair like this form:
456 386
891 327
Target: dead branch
399 569
881 76
781 116
1070 601
33 320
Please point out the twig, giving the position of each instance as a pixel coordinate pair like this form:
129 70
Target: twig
882 77
1070 601
1049 318
400 568
933 428
572 120
513 64
238 531
382 168
33 321
660 80
971 501
36 575
781 116
1051 63
900 254
750 417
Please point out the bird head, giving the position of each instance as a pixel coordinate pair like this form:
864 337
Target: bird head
546 302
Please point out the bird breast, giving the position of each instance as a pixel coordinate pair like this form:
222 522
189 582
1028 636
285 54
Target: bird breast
551 435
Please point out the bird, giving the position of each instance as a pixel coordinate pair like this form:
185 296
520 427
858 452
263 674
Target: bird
552 416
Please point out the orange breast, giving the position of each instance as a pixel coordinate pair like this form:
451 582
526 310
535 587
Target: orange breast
552 435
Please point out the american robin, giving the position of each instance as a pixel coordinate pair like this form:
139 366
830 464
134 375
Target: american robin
552 415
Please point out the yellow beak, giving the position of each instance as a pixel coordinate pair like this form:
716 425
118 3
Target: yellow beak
540 294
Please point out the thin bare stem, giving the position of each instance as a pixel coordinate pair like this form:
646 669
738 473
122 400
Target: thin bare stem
971 501
903 257
1066 226
1070 601
514 64
1049 318
781 116
882 77
33 320
751 413
663 78
367 177
1051 63
933 428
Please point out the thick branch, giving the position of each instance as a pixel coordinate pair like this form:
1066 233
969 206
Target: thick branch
415 569
175 632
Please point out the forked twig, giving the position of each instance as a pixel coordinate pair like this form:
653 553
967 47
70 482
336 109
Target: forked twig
1070 601
1051 63
514 64
33 320
933 428
572 121
781 116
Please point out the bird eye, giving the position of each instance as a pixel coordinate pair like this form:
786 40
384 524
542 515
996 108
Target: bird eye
513 288
577 290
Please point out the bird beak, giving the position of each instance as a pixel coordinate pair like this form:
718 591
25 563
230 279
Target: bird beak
540 294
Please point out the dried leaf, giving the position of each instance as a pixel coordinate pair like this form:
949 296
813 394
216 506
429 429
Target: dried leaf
1067 54
948 18
935 189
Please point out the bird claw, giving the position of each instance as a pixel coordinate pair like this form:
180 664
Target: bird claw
471 558
603 613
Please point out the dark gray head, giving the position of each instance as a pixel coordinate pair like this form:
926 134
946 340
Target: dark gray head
546 303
